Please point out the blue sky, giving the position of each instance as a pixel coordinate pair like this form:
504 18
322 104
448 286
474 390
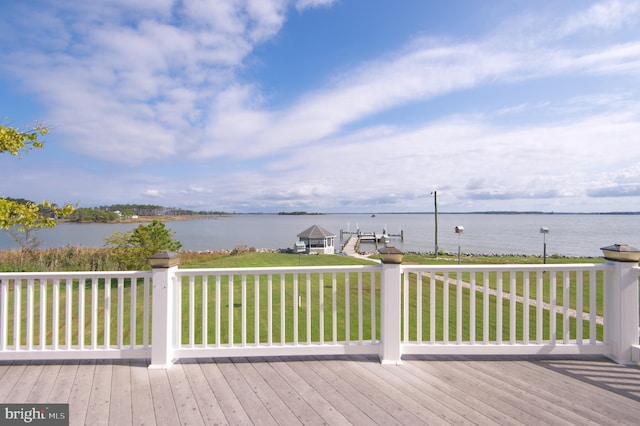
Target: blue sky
326 105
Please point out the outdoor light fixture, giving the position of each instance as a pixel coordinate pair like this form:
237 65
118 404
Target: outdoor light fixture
459 230
544 231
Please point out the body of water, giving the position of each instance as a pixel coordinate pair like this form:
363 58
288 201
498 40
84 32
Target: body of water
569 234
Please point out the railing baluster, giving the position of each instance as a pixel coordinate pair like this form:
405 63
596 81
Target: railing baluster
485 307
592 307
218 315
405 307
472 308
579 307
17 317
445 307
373 308
4 314
147 311
539 299
256 309
81 311
512 307
552 308
360 312
499 308
458 307
283 305
30 314
308 308
334 308
419 307
347 309
231 309
205 310
270 309
120 326
243 310
296 306
133 320
525 310
94 313
321 306
43 313
107 313
432 307
192 304
566 300
67 316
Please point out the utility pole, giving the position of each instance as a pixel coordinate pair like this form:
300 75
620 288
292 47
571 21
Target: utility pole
435 204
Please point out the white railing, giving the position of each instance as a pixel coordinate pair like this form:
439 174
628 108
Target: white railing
503 309
276 311
388 309
75 315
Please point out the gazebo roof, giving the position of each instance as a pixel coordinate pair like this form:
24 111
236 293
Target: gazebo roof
315 232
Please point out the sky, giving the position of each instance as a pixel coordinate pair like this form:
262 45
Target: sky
325 105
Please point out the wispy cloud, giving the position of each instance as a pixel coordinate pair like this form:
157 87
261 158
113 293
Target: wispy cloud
151 86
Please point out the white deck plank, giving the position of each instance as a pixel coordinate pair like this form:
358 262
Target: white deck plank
188 410
44 384
444 401
335 390
350 392
306 391
23 387
231 406
100 398
163 401
278 409
142 410
285 390
322 385
254 407
402 409
81 391
61 389
491 372
9 380
120 412
204 396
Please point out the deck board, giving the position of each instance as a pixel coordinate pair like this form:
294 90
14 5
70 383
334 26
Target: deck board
231 406
120 409
333 390
100 399
44 383
80 392
142 410
24 385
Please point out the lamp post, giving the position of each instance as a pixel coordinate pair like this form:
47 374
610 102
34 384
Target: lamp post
544 231
459 230
435 205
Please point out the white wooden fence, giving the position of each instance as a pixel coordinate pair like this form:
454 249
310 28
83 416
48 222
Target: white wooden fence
388 309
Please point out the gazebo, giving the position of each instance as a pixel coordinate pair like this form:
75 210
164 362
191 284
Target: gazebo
318 240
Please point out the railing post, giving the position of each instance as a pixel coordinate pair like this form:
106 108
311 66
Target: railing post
390 319
164 265
621 311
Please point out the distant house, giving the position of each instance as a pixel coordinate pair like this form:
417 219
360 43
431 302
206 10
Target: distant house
317 240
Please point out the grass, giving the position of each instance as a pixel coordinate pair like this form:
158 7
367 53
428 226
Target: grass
345 289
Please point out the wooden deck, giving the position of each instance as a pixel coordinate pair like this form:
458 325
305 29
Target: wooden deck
333 390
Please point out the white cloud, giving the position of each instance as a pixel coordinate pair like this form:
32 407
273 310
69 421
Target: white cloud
308 4
604 15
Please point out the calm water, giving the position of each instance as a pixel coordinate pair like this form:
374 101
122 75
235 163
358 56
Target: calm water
569 235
